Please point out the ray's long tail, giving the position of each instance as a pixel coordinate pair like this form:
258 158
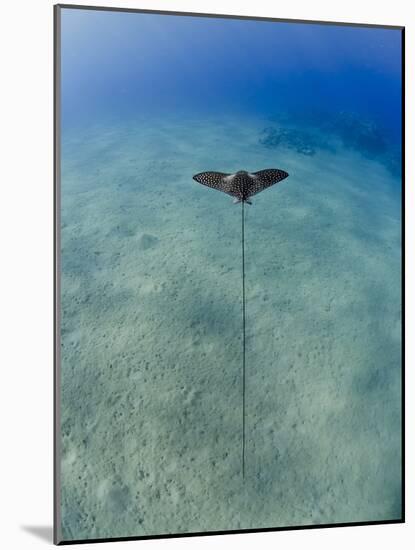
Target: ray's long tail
243 336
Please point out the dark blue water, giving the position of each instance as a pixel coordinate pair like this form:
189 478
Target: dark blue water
127 63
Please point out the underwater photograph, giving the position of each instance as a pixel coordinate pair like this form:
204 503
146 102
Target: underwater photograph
229 225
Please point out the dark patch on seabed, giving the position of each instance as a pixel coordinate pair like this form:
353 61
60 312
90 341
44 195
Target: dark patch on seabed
308 132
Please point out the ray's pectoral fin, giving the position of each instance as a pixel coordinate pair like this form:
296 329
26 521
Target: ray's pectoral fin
215 180
219 181
265 178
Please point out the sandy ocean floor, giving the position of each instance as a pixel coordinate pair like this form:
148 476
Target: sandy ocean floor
151 418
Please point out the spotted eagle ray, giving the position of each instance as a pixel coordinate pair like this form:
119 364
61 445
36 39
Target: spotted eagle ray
242 186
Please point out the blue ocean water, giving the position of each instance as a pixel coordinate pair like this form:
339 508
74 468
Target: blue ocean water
151 274
121 64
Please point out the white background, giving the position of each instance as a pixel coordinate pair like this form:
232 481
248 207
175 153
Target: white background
26 304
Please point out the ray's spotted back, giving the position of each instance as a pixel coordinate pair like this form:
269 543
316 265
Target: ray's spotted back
241 185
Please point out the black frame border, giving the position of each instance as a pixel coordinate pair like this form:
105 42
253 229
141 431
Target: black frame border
57 272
